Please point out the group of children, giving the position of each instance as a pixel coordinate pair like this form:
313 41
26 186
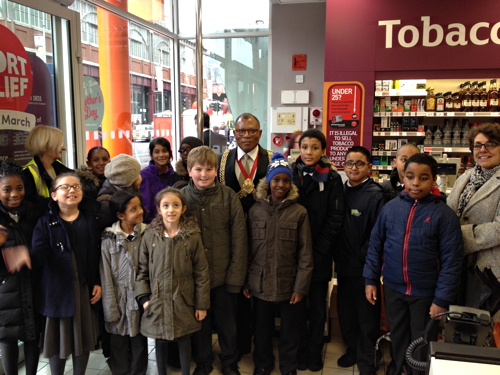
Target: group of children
178 278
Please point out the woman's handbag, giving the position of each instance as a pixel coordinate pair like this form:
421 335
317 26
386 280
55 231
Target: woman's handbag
482 289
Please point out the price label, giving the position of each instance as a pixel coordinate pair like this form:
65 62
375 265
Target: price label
382 114
469 114
439 114
382 134
448 149
387 153
406 114
421 114
378 93
429 114
404 134
413 113
393 134
494 114
450 114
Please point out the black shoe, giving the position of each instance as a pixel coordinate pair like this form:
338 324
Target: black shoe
292 373
230 370
302 366
202 370
262 370
347 360
315 363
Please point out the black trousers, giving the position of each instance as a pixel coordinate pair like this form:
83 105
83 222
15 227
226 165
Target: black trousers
161 349
10 356
243 324
407 317
128 355
222 316
263 356
314 311
359 322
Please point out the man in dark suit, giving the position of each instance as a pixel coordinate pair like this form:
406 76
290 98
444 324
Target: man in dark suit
214 140
241 169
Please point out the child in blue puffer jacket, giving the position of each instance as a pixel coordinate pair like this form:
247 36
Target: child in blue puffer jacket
417 246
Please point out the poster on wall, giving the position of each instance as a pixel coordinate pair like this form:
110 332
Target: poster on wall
344 118
16 86
93 108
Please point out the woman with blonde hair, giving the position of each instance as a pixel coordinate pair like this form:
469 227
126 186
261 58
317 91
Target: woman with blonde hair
45 144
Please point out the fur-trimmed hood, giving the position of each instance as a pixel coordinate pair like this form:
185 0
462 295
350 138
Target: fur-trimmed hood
188 226
116 231
180 169
84 173
263 191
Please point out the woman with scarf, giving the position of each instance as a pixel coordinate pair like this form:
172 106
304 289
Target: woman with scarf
322 194
476 200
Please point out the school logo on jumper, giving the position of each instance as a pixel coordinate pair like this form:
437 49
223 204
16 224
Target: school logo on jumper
355 212
428 220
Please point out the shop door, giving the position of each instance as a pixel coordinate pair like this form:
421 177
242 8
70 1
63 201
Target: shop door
40 76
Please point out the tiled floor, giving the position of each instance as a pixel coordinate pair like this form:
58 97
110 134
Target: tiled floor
332 351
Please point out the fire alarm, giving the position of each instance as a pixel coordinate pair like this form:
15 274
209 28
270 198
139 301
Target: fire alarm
278 140
315 116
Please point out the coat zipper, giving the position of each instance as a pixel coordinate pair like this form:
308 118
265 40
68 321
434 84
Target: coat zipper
405 247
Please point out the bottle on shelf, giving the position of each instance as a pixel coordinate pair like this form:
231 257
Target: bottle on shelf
457 102
475 94
447 133
448 102
493 96
439 102
430 100
467 98
456 132
428 137
438 138
465 131
483 99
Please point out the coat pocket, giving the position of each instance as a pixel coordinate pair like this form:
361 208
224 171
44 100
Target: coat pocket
258 230
286 279
255 278
287 231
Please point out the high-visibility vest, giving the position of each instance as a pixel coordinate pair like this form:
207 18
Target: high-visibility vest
41 187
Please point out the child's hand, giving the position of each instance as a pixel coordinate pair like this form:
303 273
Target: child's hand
3 235
96 292
145 305
371 293
16 257
436 310
296 298
247 293
200 314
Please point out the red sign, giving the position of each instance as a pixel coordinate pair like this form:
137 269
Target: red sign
343 123
299 62
16 78
278 140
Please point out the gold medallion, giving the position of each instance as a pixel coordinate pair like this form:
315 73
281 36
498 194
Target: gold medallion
248 186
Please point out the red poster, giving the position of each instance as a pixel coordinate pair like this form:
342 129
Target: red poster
344 120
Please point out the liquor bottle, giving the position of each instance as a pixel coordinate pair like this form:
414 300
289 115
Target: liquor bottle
430 100
428 137
457 102
493 96
456 133
461 91
448 102
475 97
483 100
467 98
465 131
447 133
438 138
439 102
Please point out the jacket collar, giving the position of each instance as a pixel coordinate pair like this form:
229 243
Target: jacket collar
187 227
180 168
263 191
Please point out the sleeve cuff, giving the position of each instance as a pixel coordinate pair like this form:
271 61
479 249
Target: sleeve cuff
143 300
372 282
441 303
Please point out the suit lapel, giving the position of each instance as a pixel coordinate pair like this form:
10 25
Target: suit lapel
484 192
231 179
262 166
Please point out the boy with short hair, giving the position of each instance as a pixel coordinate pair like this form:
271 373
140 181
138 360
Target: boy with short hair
359 320
417 246
395 184
224 234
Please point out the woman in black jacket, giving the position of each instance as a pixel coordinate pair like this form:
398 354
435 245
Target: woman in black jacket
19 320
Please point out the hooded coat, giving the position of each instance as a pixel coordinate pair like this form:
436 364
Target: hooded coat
103 197
90 181
119 265
280 256
173 272
152 183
